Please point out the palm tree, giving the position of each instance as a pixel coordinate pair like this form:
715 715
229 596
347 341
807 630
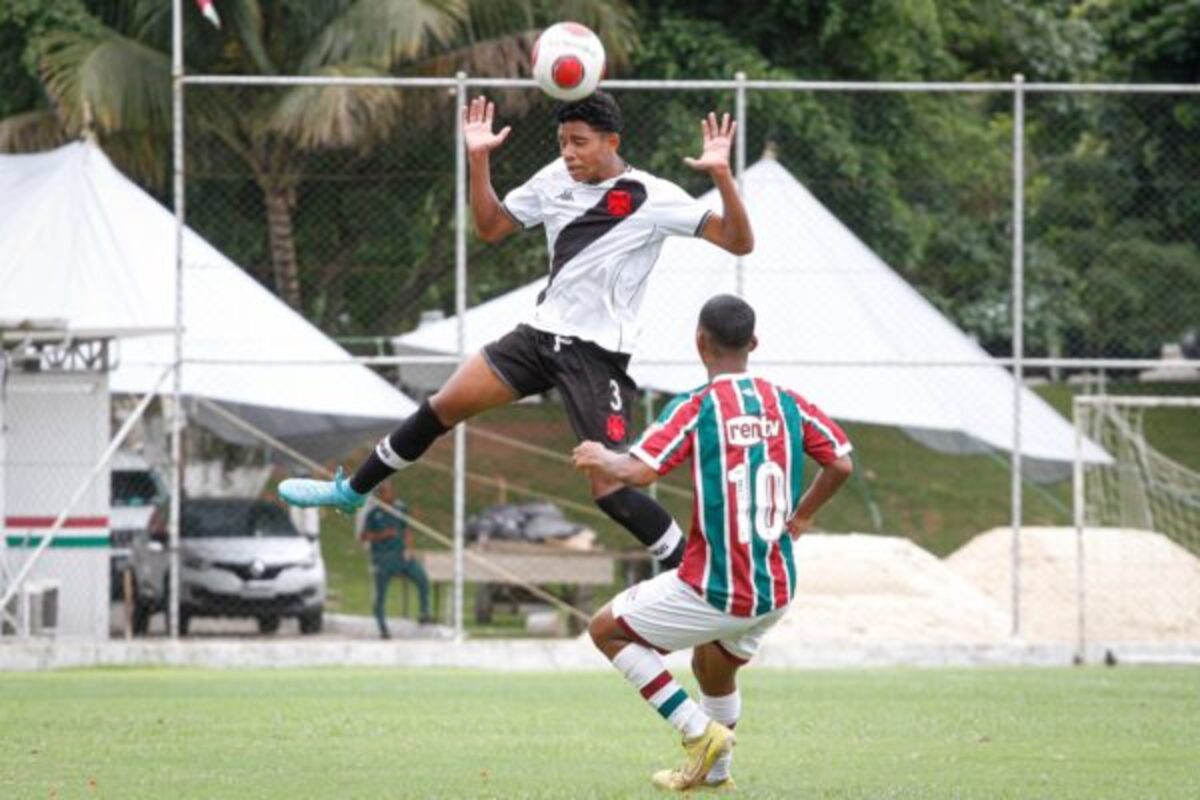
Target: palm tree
110 71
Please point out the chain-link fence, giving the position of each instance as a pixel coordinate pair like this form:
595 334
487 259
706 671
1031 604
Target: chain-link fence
885 278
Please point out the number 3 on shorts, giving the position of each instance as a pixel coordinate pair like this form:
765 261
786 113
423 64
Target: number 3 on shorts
613 386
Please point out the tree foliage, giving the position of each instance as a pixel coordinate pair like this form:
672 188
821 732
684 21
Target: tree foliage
366 176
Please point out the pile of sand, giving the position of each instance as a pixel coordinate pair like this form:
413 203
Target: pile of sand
880 589
1139 586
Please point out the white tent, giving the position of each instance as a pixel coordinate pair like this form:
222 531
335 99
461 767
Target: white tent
81 243
821 296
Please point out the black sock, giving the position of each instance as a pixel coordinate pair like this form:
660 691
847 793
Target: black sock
399 448
672 559
647 521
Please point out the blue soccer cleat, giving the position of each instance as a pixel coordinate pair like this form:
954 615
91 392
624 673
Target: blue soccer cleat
306 493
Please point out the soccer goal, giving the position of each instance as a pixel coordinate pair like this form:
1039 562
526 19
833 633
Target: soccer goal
1137 521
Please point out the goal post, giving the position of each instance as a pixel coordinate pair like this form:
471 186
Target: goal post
1137 491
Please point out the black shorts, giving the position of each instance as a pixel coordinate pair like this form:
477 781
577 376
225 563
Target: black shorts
598 392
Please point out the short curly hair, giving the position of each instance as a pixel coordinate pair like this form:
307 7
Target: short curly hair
598 110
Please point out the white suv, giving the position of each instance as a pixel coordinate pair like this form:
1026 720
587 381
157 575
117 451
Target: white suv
239 558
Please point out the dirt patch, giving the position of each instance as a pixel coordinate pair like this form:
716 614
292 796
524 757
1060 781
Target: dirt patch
880 589
1139 586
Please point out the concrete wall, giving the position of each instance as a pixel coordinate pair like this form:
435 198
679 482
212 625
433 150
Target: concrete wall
56 428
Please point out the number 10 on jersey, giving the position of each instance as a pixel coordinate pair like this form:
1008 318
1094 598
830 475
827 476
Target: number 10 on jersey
770 500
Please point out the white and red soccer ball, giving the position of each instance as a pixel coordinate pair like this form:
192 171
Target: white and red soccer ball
568 61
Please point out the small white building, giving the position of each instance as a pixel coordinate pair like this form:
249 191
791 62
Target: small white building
54 428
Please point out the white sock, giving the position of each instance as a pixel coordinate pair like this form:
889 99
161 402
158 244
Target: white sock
389 456
726 711
666 544
648 673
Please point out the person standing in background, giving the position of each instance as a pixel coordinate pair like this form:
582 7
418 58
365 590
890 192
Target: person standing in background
390 541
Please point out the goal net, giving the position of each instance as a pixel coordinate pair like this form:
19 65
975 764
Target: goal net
1137 520
1142 488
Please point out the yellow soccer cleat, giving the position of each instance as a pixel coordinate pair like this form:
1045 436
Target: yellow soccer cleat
702 752
672 780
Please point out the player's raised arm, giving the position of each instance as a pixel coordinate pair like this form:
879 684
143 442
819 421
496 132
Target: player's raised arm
729 230
596 459
491 221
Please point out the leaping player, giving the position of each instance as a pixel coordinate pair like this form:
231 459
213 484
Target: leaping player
746 439
605 224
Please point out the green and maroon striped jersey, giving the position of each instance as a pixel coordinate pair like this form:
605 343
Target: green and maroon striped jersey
746 438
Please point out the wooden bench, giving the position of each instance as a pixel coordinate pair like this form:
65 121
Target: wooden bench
568 574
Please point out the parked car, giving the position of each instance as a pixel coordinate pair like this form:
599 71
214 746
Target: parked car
137 507
239 558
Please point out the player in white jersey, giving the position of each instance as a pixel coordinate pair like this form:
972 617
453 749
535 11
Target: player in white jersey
605 224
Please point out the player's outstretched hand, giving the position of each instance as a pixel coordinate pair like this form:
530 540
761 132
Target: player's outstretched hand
477 127
718 138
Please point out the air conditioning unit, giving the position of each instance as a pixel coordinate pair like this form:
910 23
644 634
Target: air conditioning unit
33 611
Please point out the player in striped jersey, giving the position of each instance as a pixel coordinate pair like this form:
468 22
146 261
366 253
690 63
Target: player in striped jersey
746 439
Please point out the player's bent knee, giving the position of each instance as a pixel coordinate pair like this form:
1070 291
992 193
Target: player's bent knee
598 630
448 408
603 627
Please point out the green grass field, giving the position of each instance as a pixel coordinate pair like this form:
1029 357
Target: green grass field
1019 733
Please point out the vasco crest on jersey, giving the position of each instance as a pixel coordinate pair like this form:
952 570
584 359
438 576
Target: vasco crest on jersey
620 203
614 428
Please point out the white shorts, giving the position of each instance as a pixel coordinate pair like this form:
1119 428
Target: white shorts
667 614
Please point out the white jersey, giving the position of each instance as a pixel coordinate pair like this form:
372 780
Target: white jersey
603 240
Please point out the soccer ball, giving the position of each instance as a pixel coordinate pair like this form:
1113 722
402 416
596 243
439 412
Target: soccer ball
568 61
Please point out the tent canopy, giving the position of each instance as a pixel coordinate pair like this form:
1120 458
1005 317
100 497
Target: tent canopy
81 243
821 296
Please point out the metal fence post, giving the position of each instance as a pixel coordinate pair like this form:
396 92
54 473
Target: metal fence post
460 309
1018 334
1077 514
739 165
177 378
